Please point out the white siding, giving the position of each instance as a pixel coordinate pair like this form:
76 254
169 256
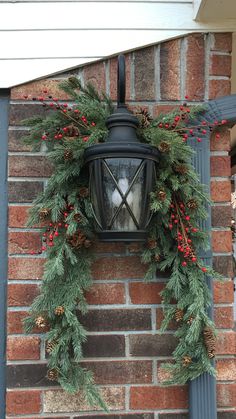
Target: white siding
42 37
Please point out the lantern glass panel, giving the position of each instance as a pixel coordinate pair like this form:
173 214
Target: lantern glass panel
123 188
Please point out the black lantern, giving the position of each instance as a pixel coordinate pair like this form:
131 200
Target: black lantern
122 175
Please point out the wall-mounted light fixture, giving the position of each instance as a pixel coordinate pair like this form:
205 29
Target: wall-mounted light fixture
122 175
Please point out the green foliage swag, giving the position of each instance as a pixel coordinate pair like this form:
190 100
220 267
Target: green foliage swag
178 203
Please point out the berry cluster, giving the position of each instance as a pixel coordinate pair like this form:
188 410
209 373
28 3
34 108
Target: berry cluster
181 119
71 113
184 231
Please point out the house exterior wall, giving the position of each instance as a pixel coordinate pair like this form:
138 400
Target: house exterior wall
124 347
44 37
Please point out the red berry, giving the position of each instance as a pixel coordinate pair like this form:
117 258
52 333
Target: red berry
93 124
194 259
187 218
179 247
204 269
65 129
189 241
44 137
60 135
170 226
66 225
191 131
59 224
194 230
64 110
51 104
186 97
56 233
50 244
217 136
204 123
204 131
177 118
224 121
65 105
41 98
76 111
184 263
43 248
176 221
85 139
166 125
160 125
199 140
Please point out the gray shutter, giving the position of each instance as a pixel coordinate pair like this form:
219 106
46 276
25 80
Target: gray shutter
4 104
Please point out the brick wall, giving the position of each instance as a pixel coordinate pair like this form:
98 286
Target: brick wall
124 347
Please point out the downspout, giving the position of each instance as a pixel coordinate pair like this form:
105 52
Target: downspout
202 390
4 108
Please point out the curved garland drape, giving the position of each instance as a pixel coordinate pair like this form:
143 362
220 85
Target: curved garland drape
178 203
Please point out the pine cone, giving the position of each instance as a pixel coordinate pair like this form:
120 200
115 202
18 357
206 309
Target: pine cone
164 147
151 244
210 341
192 204
83 192
179 314
77 217
187 360
44 213
52 374
41 322
77 240
87 243
157 258
59 310
144 117
50 346
68 155
181 169
161 195
190 320
72 131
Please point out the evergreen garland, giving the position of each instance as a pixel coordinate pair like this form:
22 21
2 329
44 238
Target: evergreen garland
178 204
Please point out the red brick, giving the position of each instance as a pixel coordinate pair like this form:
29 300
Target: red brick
21 294
162 109
15 321
25 268
221 216
23 402
24 242
222 143
160 317
222 42
18 216
22 348
226 343
220 65
195 59
170 70
118 268
220 191
35 89
95 74
106 294
135 247
141 293
113 77
144 74
158 397
218 88
29 166
107 247
226 369
226 395
224 317
121 372
15 140
220 166
223 292
222 241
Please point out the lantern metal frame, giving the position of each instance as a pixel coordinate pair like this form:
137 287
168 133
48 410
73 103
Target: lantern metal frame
122 143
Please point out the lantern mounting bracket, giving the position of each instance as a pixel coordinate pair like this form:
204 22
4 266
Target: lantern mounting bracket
121 81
